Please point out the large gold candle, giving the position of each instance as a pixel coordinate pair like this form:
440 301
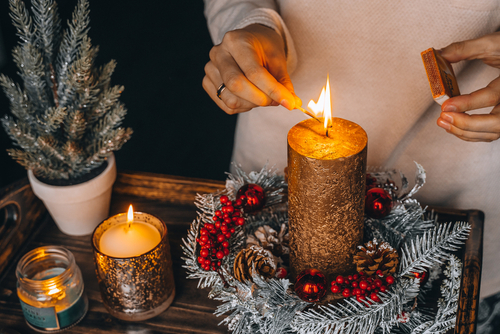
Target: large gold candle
326 193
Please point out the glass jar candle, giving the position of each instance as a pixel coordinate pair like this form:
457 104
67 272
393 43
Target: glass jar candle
50 289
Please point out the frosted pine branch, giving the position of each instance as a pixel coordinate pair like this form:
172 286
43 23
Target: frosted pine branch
21 134
72 37
51 120
432 247
22 21
189 248
259 307
79 75
450 289
105 73
29 60
48 27
49 146
75 125
352 316
108 98
20 104
110 121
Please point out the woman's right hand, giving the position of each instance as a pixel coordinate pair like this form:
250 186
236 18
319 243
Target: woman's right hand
251 62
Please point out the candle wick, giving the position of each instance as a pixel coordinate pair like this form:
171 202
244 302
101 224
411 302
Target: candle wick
327 132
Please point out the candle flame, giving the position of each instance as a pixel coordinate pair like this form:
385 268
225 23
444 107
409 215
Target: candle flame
324 105
130 215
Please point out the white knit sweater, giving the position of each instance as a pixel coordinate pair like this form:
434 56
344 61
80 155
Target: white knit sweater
371 50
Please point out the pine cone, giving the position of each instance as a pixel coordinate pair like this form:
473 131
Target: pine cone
253 258
374 256
269 239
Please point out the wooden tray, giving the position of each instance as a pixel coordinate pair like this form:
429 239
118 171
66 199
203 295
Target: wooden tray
170 198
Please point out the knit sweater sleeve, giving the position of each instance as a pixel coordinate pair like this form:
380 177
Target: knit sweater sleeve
226 15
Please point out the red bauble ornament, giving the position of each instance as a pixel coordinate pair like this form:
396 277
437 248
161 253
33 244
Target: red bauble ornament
310 285
378 203
254 199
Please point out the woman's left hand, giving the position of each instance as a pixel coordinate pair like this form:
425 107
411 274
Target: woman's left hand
453 118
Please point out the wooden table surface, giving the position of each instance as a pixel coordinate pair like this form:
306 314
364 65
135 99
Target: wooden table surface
170 198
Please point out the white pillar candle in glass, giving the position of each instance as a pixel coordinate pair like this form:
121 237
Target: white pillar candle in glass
129 239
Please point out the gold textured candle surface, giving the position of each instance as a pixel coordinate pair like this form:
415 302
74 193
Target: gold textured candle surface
344 139
326 186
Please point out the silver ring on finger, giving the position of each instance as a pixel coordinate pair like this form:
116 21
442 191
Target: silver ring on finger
220 90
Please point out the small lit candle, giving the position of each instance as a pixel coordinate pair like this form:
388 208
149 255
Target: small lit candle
50 288
129 239
134 265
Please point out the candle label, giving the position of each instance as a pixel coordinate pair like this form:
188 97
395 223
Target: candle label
40 317
46 318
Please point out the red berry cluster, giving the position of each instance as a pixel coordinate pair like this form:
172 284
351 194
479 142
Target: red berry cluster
362 286
214 236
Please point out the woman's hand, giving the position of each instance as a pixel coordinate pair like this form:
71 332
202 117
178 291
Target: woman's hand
453 118
251 63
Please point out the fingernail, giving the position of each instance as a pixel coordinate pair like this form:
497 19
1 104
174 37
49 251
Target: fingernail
274 104
443 124
286 104
447 118
450 108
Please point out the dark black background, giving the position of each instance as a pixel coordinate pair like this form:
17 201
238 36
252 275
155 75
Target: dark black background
161 48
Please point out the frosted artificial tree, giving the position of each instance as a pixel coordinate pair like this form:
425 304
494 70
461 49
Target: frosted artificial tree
66 114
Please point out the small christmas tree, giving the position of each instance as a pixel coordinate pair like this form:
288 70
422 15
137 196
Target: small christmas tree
66 113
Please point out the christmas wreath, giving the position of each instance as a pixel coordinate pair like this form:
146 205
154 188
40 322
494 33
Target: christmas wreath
238 247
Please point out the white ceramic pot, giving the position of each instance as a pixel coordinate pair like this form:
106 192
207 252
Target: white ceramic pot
79 208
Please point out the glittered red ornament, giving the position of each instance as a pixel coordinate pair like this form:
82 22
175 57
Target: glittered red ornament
310 285
254 199
378 203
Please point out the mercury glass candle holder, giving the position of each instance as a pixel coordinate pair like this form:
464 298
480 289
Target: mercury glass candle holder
139 287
